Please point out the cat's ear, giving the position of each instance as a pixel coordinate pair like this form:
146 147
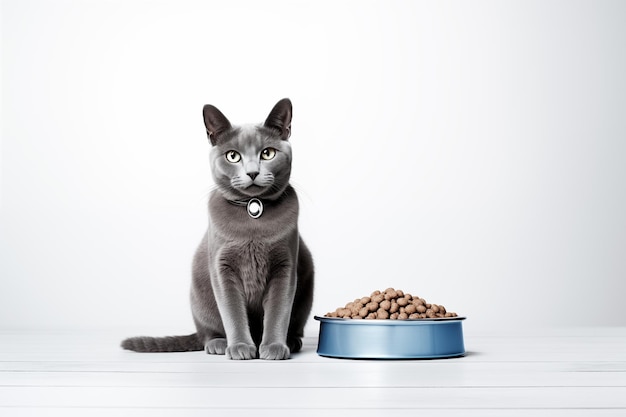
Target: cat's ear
215 122
280 118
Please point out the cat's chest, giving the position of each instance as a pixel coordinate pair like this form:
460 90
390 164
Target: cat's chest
251 260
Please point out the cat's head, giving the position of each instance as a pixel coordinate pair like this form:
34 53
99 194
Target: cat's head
250 160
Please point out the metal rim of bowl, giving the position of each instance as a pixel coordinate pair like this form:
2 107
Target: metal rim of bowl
401 322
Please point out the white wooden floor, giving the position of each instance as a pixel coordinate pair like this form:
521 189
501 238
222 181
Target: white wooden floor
575 372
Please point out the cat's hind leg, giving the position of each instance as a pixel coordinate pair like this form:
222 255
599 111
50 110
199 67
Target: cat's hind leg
294 343
303 299
215 346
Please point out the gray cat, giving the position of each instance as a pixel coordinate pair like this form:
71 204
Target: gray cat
252 281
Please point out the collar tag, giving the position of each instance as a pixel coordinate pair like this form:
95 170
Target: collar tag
255 208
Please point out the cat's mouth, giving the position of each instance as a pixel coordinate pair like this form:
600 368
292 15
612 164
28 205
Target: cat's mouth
252 190
254 187
258 187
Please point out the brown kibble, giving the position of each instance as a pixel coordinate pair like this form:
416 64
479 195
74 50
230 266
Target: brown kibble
372 306
390 304
356 308
391 295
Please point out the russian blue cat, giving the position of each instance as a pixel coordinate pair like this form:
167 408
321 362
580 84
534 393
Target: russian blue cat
252 275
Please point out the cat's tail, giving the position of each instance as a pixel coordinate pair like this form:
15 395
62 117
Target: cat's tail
163 344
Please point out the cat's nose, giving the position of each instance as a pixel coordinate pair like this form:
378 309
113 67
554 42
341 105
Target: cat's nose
253 174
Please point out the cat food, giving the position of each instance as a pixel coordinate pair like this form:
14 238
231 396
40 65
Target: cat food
391 304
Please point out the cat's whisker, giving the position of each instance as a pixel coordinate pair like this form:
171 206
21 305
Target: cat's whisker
207 193
297 186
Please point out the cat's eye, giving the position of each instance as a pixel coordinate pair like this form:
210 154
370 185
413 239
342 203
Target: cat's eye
268 153
233 156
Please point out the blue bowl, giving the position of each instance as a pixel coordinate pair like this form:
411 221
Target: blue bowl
391 339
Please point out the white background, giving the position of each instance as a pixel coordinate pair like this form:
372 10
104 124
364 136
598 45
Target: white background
472 153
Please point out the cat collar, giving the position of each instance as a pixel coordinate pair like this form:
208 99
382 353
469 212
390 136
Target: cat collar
254 206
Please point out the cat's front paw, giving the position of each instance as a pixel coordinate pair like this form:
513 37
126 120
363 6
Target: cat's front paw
241 351
215 346
274 351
